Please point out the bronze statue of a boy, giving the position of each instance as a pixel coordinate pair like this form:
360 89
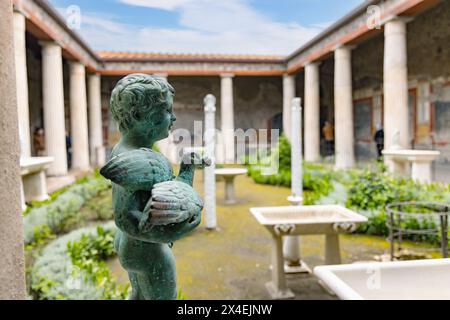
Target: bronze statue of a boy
152 208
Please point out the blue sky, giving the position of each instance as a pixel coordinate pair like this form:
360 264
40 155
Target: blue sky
204 26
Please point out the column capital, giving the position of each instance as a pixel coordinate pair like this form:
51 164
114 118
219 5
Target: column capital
18 8
227 75
49 44
289 75
313 63
349 47
393 18
76 63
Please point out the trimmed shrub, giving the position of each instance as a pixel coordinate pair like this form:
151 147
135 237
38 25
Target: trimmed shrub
62 213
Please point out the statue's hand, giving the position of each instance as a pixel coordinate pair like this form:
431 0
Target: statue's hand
172 202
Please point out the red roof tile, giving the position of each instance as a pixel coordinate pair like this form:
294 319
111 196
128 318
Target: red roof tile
111 55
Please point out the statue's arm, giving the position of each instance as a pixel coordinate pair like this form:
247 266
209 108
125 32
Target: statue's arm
130 219
130 222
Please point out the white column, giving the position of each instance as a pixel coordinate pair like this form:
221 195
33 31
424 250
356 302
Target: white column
209 175
291 246
20 53
312 112
288 95
396 120
343 108
12 265
53 102
78 117
97 149
227 116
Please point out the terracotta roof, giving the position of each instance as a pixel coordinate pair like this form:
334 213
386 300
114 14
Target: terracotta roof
113 56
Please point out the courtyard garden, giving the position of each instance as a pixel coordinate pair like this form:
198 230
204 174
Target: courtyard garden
69 239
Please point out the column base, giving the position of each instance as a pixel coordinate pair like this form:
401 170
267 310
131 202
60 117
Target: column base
299 267
277 293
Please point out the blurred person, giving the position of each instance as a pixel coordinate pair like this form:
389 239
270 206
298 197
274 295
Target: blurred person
379 140
328 133
69 149
39 142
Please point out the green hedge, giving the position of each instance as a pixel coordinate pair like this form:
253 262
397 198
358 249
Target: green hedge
57 216
316 178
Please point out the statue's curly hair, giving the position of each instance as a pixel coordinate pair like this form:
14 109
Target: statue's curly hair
136 97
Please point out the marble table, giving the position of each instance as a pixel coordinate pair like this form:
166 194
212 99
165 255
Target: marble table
228 174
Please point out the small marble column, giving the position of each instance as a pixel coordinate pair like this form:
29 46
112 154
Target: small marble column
291 245
209 175
312 112
343 108
78 117
97 150
53 103
288 95
396 119
20 53
227 116
12 265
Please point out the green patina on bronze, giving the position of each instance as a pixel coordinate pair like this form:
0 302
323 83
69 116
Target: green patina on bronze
152 207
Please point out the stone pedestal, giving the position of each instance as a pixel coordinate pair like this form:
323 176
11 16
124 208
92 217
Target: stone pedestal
332 249
20 53
396 117
12 265
312 112
209 174
228 174
97 150
78 117
227 116
53 103
343 108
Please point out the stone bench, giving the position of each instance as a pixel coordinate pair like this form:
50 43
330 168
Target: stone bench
398 161
34 181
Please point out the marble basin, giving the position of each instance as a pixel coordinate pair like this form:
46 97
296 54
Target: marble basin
329 220
419 161
34 184
398 280
412 155
312 219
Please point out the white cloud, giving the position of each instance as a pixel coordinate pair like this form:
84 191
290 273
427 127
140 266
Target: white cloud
168 5
205 26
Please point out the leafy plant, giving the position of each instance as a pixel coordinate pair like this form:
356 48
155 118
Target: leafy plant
78 255
89 254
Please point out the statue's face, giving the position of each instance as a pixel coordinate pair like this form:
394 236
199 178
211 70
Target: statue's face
165 120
